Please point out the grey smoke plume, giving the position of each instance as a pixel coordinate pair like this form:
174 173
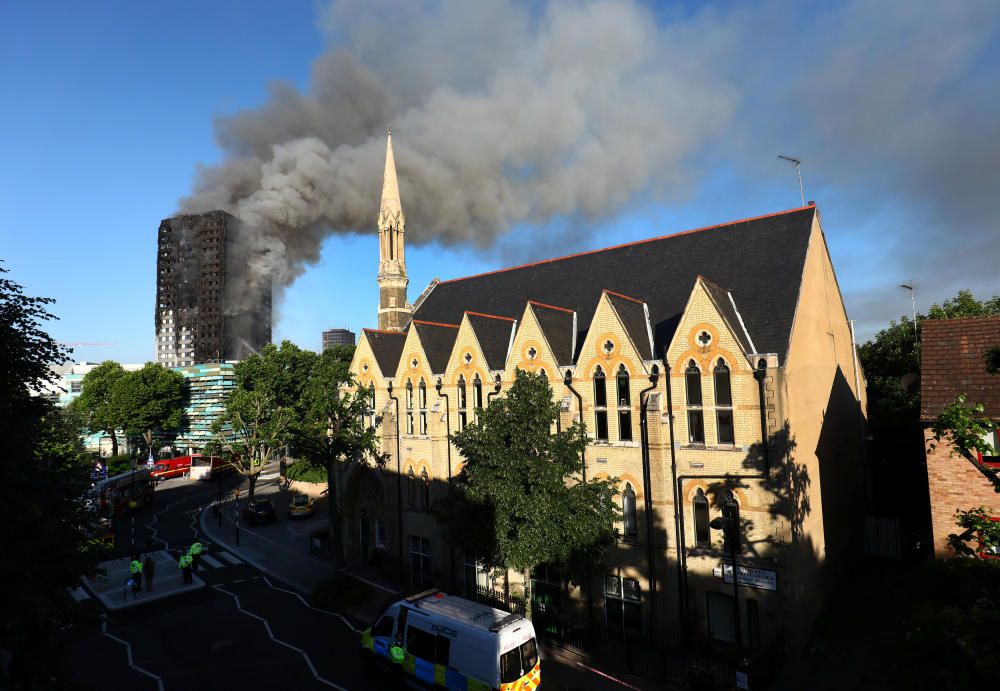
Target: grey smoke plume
500 117
505 113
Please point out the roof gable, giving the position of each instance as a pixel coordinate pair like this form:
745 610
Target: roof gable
387 347
494 336
557 325
632 313
726 306
760 260
437 340
952 362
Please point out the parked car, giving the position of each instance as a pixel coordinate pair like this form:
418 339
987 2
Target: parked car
301 506
259 511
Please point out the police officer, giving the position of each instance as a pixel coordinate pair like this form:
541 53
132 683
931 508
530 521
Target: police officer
195 554
185 564
136 568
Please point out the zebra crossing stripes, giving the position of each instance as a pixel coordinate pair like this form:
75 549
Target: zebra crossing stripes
211 561
230 558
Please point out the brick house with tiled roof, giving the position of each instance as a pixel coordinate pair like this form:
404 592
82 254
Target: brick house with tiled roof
707 365
952 362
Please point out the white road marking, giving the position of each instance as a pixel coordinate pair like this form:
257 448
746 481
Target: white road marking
268 476
79 594
332 614
156 516
128 653
270 635
211 561
230 558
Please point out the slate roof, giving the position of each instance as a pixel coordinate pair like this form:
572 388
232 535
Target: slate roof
720 296
493 334
760 260
387 347
437 340
633 317
951 362
557 325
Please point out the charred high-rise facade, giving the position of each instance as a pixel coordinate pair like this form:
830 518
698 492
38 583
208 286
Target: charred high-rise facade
197 320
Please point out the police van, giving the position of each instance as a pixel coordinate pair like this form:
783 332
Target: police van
439 640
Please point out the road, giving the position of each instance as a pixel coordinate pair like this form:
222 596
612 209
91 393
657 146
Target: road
249 627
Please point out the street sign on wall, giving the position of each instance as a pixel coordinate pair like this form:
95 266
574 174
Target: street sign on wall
764 579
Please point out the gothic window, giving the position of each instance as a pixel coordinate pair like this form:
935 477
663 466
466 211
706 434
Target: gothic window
425 488
628 509
422 400
624 406
409 407
477 392
695 415
371 405
463 418
723 403
600 405
702 536
411 488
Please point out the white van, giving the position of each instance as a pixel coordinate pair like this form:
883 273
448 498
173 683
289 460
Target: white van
455 643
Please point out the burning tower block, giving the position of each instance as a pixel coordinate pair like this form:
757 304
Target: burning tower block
205 309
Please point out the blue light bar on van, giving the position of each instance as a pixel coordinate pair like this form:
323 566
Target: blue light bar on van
509 619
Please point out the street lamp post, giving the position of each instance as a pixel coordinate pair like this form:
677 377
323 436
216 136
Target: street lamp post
729 523
236 493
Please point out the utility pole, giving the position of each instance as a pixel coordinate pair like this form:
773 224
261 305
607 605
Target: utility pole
912 287
798 171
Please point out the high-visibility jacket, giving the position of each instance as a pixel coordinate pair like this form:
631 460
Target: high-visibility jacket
195 550
135 566
185 561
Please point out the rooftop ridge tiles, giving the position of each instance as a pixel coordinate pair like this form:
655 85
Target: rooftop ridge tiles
489 316
633 243
624 297
551 307
427 323
385 331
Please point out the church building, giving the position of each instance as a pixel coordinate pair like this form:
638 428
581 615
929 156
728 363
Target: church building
716 373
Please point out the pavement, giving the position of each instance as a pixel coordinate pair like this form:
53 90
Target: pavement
110 587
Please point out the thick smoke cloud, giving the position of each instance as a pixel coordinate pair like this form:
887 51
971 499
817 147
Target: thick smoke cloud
508 113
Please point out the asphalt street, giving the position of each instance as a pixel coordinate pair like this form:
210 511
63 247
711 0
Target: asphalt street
250 627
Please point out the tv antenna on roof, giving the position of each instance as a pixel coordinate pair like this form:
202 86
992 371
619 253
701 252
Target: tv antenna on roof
798 171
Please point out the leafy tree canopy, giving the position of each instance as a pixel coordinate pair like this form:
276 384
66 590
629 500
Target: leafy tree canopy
519 501
100 410
151 401
279 372
44 473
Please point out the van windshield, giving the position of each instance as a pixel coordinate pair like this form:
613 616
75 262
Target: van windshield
517 662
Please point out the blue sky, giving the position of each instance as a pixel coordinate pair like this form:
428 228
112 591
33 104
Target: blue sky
110 107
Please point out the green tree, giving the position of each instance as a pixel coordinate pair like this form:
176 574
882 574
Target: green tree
252 430
151 401
96 403
43 476
280 372
521 483
336 425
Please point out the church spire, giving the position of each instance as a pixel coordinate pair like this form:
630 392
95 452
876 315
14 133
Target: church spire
391 210
393 310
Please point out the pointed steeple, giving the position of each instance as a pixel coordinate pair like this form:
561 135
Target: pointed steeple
391 210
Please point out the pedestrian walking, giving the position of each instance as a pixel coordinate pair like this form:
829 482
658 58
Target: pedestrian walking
136 568
195 552
185 564
148 571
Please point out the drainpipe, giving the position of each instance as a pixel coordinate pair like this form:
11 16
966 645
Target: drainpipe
679 480
494 392
678 520
647 489
399 485
447 441
760 374
568 381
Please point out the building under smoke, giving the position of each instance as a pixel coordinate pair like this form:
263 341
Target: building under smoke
338 337
197 317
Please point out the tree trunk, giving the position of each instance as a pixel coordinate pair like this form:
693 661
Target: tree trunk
114 442
252 479
336 543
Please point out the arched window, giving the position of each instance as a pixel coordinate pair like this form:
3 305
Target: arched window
462 403
695 415
477 391
624 405
422 401
600 405
371 405
409 407
723 403
702 535
411 488
543 375
425 487
628 509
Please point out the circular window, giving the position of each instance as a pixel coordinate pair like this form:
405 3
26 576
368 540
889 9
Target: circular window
414 363
608 346
364 367
467 358
532 353
704 338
